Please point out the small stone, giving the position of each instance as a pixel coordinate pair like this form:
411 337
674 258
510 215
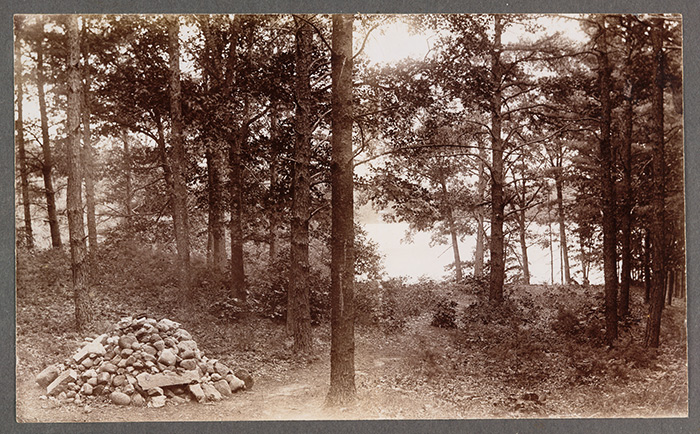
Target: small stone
98 390
159 345
92 381
149 349
126 352
222 369
211 366
47 376
136 346
197 392
211 393
137 400
167 357
158 401
215 377
127 341
246 377
155 337
108 367
188 364
155 391
118 380
128 389
120 398
131 360
86 389
178 400
62 396
87 363
223 387
170 342
235 383
182 335
103 378
71 394
165 325
149 358
61 382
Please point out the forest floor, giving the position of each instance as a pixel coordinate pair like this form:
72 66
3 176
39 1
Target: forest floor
540 356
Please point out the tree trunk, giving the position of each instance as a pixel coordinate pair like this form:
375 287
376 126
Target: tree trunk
238 288
558 182
47 165
626 189
481 187
129 193
342 382
298 309
647 272
88 154
607 189
523 246
584 260
449 217
216 166
274 207
497 174
19 131
179 158
74 203
658 257
671 285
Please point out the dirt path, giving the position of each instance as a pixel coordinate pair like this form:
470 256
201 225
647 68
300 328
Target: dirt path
300 395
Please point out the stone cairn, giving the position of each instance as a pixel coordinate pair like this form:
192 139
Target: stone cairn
142 362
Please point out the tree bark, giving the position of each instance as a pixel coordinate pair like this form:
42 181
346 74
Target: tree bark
47 164
342 382
216 165
274 206
238 285
497 173
74 203
626 189
129 193
647 272
88 154
481 187
449 217
523 246
178 164
298 308
19 137
607 188
658 257
559 184
671 285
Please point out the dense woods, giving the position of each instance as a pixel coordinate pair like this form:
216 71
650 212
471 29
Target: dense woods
229 154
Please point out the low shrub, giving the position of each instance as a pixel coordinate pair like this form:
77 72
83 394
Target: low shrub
445 314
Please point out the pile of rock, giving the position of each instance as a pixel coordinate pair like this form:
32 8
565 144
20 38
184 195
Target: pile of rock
142 361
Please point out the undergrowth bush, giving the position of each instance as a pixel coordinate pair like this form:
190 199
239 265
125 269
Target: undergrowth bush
445 314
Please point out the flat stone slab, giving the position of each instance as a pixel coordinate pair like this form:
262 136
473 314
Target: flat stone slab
94 347
65 378
148 381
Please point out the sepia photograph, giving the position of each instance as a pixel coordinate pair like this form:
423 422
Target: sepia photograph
265 217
